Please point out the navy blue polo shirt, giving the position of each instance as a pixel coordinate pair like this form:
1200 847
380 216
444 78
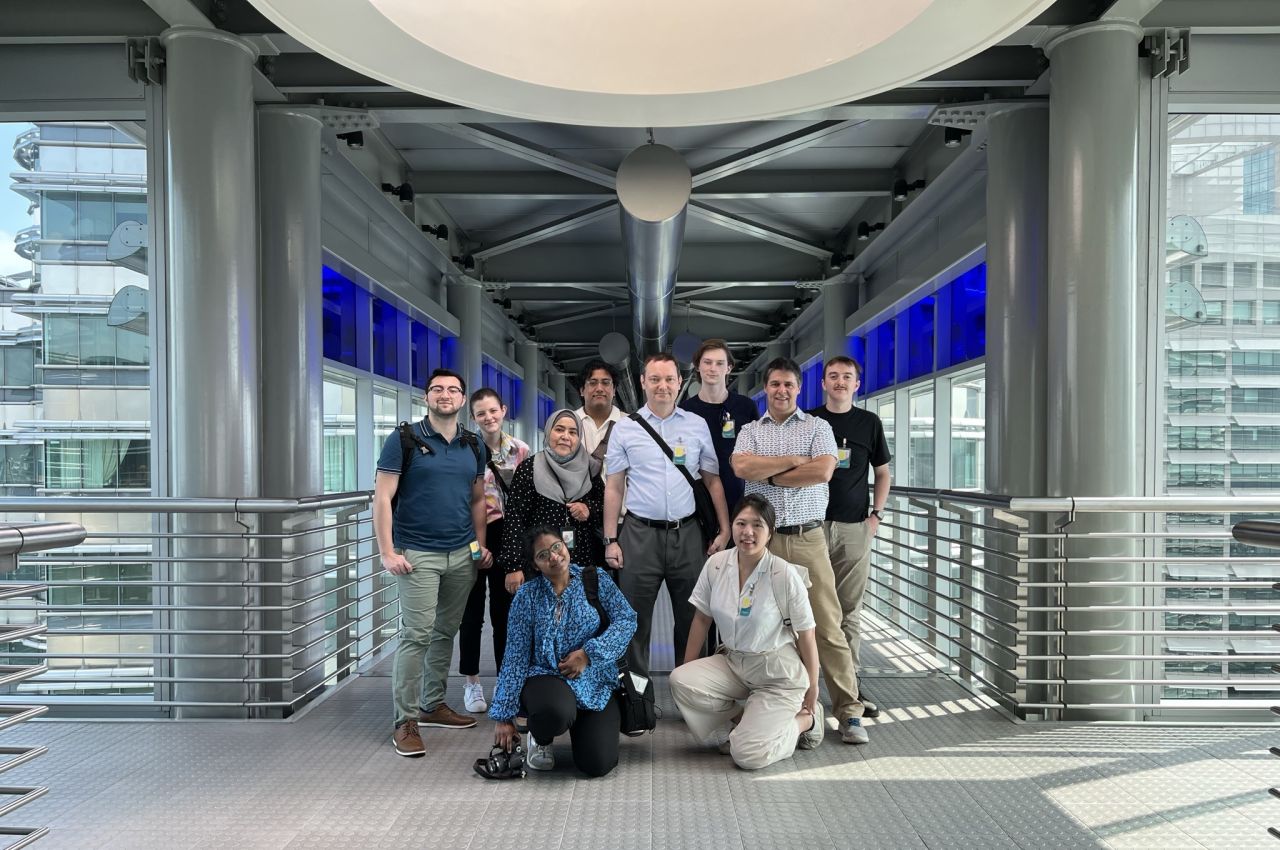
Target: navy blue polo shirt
433 511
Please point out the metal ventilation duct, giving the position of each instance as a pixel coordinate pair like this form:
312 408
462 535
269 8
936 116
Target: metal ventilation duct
654 184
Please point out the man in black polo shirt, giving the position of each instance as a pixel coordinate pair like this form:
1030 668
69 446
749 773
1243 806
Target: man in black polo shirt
852 519
725 411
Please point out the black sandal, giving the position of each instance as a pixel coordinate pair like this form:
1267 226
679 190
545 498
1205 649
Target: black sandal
501 764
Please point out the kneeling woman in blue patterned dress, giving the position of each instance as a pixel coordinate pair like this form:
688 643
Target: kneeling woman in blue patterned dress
558 665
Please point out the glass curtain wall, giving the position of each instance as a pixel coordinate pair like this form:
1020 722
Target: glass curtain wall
968 430
1221 386
339 434
75 395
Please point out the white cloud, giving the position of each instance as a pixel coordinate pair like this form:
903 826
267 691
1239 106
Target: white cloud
10 262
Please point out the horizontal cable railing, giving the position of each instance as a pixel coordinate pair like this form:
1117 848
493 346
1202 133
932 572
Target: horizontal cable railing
197 607
1093 606
17 540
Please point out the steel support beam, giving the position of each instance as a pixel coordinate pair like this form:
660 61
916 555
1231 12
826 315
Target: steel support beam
585 314
742 225
529 152
773 150
559 227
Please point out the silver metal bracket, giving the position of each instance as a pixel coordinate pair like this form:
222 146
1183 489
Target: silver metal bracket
144 58
1169 51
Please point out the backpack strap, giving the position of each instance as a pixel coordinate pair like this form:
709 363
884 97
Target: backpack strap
470 438
781 595
591 585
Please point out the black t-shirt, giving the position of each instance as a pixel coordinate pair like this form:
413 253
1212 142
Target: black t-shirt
737 409
862 433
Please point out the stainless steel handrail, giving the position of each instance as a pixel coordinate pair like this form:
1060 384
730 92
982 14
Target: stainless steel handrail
161 505
17 539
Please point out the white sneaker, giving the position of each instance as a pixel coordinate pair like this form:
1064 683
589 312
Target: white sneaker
851 731
539 756
812 739
473 698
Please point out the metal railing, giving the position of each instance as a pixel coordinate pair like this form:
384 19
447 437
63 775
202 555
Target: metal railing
1086 607
15 540
178 607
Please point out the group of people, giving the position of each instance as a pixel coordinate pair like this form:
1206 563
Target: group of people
572 544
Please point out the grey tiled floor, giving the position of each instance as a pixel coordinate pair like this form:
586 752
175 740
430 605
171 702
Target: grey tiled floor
942 770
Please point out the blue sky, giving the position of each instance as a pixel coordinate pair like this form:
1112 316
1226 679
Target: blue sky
13 207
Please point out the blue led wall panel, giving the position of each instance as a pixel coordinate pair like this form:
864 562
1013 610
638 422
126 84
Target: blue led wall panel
504 384
546 407
856 347
449 356
880 356
917 358
424 352
390 326
761 404
967 318
346 320
810 386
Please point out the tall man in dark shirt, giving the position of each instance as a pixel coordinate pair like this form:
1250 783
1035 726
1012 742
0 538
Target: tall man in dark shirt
725 412
852 518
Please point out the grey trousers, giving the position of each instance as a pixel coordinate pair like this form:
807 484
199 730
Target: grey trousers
651 556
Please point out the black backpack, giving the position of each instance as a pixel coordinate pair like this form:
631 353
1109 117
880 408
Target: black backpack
410 442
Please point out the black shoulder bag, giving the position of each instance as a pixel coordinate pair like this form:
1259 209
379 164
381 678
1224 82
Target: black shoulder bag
637 709
704 508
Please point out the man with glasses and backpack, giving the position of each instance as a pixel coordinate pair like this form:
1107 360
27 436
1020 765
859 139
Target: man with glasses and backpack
430 520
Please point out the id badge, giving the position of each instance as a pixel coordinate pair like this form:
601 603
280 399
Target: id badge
475 550
744 606
842 458
678 454
727 429
567 534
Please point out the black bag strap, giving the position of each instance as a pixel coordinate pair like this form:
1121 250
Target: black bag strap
662 444
497 476
470 438
602 448
591 585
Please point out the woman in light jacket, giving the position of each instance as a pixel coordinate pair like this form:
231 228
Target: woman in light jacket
758 695
559 664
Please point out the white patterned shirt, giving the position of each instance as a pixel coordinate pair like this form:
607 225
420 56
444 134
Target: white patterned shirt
799 434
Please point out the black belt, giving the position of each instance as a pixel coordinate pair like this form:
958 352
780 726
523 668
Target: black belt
799 529
665 524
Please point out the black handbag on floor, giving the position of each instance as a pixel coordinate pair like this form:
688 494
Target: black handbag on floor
704 509
637 707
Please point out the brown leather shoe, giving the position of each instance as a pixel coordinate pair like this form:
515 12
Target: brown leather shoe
407 740
444 717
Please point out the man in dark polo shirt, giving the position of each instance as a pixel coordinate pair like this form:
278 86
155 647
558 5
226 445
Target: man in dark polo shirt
432 542
725 412
852 518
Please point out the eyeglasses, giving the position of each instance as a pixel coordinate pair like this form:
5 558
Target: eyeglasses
545 555
450 390
606 383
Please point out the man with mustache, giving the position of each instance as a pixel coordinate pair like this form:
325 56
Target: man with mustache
787 457
597 383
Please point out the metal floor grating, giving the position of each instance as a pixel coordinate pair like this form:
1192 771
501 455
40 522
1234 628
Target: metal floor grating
942 770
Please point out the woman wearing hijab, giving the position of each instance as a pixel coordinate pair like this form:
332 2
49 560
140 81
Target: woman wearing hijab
559 487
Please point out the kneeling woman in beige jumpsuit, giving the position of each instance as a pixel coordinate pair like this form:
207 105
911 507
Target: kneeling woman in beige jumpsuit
764 661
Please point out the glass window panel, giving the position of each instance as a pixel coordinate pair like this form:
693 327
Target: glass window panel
1243 312
968 430
1271 274
884 410
1213 274
58 215
920 440
97 218
1271 312
62 340
920 331
386 339
385 418
1213 312
339 435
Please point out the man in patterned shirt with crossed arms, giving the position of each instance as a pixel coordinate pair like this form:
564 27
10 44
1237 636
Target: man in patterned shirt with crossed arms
787 456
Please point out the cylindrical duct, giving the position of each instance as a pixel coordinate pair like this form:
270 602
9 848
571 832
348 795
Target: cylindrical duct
616 351
654 184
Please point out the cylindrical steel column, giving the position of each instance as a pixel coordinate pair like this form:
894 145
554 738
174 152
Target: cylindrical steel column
292 379
1017 349
836 295
556 380
466 302
1017 299
527 354
214 350
1093 434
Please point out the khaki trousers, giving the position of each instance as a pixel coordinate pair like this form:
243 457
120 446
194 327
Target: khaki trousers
432 599
710 691
808 551
850 544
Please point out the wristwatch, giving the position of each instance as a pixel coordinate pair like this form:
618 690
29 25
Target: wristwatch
877 513
608 540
